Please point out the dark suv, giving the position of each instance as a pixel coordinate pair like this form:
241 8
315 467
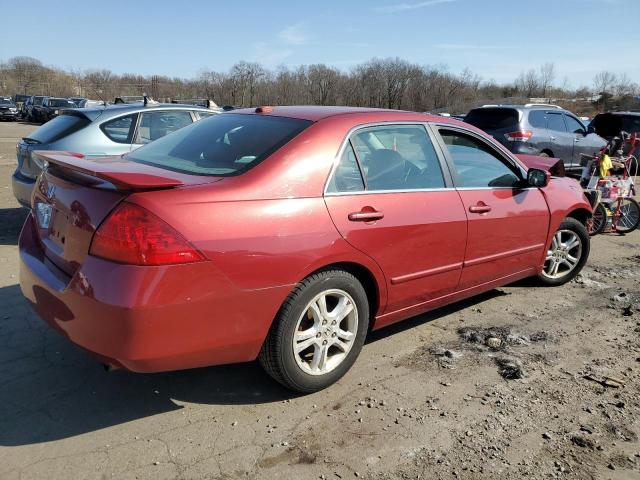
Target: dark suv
535 129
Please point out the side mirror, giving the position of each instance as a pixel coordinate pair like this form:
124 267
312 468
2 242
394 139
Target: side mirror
590 129
538 178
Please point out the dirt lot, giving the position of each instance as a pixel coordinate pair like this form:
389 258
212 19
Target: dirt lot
426 399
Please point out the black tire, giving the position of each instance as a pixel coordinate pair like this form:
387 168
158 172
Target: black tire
598 221
543 154
631 215
277 355
580 232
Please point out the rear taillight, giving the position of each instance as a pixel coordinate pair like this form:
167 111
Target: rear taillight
519 136
133 235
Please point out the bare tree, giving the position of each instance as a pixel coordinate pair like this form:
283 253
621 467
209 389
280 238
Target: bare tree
604 82
547 76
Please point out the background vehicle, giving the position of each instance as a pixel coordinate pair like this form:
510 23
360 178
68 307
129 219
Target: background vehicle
30 111
78 100
283 233
52 107
611 124
99 131
538 130
8 109
19 100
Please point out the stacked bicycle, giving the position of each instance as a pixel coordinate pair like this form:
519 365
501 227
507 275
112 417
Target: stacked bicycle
609 181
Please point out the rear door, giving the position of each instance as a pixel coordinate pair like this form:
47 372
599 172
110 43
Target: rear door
496 121
158 123
508 222
390 198
560 140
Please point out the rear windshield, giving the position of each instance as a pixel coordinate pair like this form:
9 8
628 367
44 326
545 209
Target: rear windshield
492 118
58 128
222 145
61 102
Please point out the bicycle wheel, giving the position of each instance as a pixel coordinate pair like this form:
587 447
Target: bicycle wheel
598 220
629 212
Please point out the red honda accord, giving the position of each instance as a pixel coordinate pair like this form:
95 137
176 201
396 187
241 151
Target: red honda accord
286 234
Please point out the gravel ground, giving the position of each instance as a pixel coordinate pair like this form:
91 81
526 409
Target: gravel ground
519 382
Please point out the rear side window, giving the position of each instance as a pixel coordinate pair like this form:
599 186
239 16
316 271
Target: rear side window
59 128
631 123
492 118
476 164
538 118
555 122
224 145
205 114
157 124
119 129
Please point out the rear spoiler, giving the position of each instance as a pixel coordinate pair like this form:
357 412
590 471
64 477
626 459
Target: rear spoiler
119 173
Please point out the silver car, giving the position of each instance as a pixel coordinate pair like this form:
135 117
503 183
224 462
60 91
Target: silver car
99 131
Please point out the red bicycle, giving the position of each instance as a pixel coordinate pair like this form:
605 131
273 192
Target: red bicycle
611 196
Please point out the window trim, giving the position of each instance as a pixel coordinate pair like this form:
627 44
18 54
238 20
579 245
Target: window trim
584 129
561 115
444 167
508 160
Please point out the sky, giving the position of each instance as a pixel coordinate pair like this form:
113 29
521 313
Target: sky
495 39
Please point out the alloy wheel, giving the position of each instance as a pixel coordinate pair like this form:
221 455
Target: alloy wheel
563 255
325 332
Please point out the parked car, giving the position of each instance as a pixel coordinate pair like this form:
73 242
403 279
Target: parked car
610 124
98 131
52 107
19 99
31 106
78 100
86 103
8 109
285 233
535 129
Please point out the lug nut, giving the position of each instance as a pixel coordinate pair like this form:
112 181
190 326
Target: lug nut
324 342
318 335
324 322
333 334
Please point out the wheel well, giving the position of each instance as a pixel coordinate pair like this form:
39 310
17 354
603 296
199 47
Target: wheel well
364 276
548 152
580 214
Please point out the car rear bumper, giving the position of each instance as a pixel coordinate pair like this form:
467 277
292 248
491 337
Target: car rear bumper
148 319
8 115
22 188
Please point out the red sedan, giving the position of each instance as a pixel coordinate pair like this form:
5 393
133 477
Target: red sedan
286 234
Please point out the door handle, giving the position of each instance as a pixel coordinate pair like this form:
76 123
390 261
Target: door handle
576 139
480 207
366 216
552 138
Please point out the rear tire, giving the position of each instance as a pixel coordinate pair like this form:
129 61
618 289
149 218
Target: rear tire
567 254
630 217
544 154
313 342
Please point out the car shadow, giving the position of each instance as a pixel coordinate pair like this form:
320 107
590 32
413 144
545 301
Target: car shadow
11 221
51 389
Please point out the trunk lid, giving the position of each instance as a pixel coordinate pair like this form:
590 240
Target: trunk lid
74 195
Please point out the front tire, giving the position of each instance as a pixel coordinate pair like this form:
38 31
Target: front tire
598 221
567 254
318 332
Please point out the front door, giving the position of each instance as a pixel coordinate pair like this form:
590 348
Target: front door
560 140
508 222
388 198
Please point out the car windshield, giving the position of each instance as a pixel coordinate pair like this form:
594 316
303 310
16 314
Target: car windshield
38 100
58 128
5 101
222 145
492 118
61 102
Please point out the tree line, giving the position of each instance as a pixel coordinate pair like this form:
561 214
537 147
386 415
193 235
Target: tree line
385 83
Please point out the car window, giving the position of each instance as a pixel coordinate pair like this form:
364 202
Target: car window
487 118
347 176
538 118
476 164
398 157
573 125
157 124
631 123
223 145
555 122
59 127
205 114
38 101
119 129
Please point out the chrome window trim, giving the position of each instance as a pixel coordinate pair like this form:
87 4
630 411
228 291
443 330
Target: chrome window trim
347 140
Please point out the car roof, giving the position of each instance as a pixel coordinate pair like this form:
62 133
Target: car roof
316 113
524 107
622 113
110 111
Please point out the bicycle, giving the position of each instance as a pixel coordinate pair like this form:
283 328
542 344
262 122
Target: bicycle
611 196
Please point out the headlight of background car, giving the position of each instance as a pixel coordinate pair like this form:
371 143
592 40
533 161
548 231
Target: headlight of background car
13 109
55 111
